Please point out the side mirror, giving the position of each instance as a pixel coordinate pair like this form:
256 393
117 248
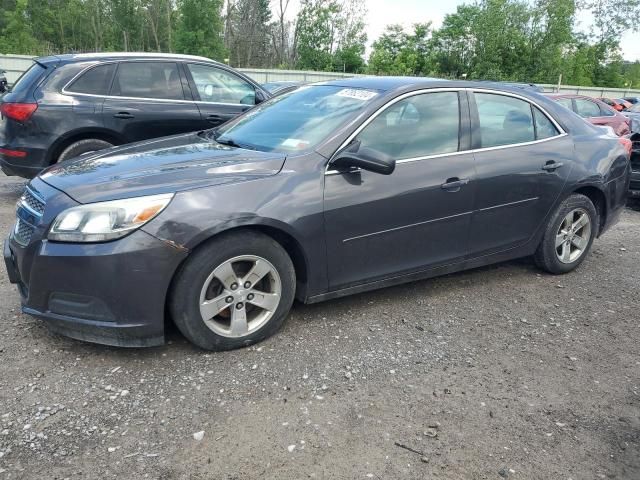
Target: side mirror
260 97
366 159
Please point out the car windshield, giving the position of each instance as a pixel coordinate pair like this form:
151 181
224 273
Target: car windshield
635 108
296 121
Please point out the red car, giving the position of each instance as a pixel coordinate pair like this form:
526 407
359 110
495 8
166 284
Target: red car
617 104
595 111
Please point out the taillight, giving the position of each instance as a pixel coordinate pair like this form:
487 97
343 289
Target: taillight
626 143
20 112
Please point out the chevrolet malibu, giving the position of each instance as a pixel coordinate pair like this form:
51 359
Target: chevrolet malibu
333 189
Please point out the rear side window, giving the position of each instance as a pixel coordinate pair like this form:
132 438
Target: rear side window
566 102
95 81
28 78
587 108
544 127
504 120
418 126
159 80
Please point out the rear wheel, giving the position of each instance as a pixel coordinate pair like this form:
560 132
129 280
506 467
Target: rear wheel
235 291
568 236
80 147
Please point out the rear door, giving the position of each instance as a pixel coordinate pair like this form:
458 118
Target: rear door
147 100
523 159
219 93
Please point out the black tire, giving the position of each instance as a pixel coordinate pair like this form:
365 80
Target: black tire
83 146
546 256
184 300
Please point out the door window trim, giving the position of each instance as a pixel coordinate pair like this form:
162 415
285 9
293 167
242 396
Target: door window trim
65 90
468 90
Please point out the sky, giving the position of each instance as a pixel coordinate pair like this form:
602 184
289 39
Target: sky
407 12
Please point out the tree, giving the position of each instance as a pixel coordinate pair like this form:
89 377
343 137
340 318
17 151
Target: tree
199 28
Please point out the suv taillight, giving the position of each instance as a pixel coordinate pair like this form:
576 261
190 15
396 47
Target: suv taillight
20 112
626 143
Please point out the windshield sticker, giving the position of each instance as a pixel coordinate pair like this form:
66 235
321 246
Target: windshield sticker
357 94
295 143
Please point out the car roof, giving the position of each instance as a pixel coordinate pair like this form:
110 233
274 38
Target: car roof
387 84
82 57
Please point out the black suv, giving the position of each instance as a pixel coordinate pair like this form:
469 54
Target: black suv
67 105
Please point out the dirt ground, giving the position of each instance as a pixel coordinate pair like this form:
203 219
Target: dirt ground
500 372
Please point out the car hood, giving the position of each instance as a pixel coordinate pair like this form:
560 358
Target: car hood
164 165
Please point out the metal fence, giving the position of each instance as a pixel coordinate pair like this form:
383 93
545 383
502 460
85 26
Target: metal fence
14 65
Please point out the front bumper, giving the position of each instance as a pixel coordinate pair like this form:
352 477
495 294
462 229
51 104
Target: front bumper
110 293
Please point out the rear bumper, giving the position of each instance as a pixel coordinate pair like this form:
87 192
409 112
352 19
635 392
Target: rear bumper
111 293
28 166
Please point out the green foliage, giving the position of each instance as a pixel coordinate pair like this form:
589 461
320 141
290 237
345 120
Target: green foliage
517 40
199 29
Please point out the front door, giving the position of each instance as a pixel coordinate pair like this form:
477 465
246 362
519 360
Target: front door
379 226
147 101
522 163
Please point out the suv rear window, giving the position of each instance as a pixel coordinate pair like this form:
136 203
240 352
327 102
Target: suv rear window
28 78
95 81
148 80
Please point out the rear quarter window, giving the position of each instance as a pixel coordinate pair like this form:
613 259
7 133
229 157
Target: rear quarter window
95 81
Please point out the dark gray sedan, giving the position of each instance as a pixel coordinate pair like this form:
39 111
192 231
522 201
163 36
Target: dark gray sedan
327 191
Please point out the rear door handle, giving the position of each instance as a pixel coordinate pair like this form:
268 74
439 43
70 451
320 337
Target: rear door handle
454 184
551 165
124 115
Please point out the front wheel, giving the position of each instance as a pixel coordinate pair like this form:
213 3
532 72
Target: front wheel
234 291
568 236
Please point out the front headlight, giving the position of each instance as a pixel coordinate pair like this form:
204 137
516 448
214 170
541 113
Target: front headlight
100 222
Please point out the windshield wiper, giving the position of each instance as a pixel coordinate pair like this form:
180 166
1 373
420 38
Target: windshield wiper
229 142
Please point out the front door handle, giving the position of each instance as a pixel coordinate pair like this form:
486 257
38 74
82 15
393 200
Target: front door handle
124 115
552 165
454 184
215 119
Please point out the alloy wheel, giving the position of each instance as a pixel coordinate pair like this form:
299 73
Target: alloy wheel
573 236
240 296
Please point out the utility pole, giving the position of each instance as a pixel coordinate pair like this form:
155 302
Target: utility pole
559 83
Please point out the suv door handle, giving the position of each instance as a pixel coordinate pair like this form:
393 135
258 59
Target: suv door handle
215 119
454 184
551 165
124 115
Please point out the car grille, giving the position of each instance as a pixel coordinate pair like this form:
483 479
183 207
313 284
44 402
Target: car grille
23 232
29 212
32 201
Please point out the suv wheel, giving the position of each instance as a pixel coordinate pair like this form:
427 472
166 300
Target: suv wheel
234 291
83 146
569 235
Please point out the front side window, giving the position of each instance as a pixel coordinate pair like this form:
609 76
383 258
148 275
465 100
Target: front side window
587 108
606 111
219 86
418 126
159 80
95 81
504 120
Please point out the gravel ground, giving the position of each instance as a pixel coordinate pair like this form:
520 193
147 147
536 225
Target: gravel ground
500 372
